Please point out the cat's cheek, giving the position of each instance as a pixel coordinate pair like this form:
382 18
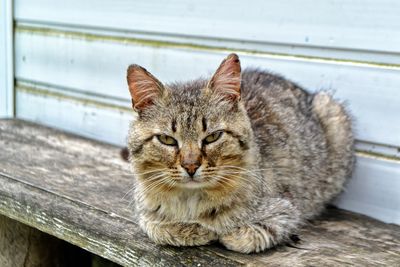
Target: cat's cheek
162 154
228 153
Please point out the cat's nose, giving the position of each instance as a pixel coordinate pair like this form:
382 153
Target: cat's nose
191 168
190 158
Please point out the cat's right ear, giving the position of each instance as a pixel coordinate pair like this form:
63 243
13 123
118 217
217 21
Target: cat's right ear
226 80
143 87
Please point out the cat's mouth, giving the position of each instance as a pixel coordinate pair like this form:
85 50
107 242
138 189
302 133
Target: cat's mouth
193 182
197 182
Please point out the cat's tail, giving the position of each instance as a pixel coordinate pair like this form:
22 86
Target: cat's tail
337 125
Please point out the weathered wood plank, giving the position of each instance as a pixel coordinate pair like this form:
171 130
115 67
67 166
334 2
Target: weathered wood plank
21 245
74 189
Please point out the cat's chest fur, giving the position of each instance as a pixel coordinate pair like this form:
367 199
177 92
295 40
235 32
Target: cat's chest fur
184 206
195 206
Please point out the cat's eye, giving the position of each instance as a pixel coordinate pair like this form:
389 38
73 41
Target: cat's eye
167 140
212 137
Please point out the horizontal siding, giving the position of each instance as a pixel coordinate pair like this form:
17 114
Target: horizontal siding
374 189
91 119
369 28
6 60
97 65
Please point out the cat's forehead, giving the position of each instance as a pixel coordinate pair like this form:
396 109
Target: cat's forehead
192 115
187 91
192 101
187 110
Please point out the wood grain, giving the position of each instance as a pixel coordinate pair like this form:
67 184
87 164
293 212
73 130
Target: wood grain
74 189
21 245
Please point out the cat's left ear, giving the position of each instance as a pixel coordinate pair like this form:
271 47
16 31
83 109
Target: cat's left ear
226 80
144 88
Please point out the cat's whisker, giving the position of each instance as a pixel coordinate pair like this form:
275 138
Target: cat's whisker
151 171
150 183
133 188
227 179
242 173
128 192
153 177
153 186
257 173
215 171
257 169
236 178
243 177
223 182
171 184
239 168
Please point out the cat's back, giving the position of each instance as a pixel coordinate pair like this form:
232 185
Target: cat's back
281 110
277 107
294 128
263 90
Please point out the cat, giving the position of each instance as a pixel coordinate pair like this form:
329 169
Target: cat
243 158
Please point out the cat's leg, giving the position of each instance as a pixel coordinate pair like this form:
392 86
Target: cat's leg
271 224
178 234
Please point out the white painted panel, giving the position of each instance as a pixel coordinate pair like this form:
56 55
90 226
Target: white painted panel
6 59
98 66
314 52
93 121
369 25
374 189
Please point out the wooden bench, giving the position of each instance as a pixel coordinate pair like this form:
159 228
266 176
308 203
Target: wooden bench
78 190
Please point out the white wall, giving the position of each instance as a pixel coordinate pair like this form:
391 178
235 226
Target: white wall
6 60
71 58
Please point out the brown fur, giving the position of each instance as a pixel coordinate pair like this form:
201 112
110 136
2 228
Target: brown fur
282 155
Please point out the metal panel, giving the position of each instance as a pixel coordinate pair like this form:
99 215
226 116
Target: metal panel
91 120
367 27
6 60
98 66
374 189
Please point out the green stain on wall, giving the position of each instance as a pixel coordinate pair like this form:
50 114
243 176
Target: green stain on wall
91 37
61 96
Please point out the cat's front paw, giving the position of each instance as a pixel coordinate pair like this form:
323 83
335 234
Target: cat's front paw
249 238
180 234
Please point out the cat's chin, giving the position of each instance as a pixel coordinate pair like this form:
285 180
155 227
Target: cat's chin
193 184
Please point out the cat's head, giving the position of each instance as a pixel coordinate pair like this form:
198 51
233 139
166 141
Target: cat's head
193 135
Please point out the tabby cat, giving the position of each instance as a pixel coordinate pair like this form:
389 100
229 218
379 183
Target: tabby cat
243 158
